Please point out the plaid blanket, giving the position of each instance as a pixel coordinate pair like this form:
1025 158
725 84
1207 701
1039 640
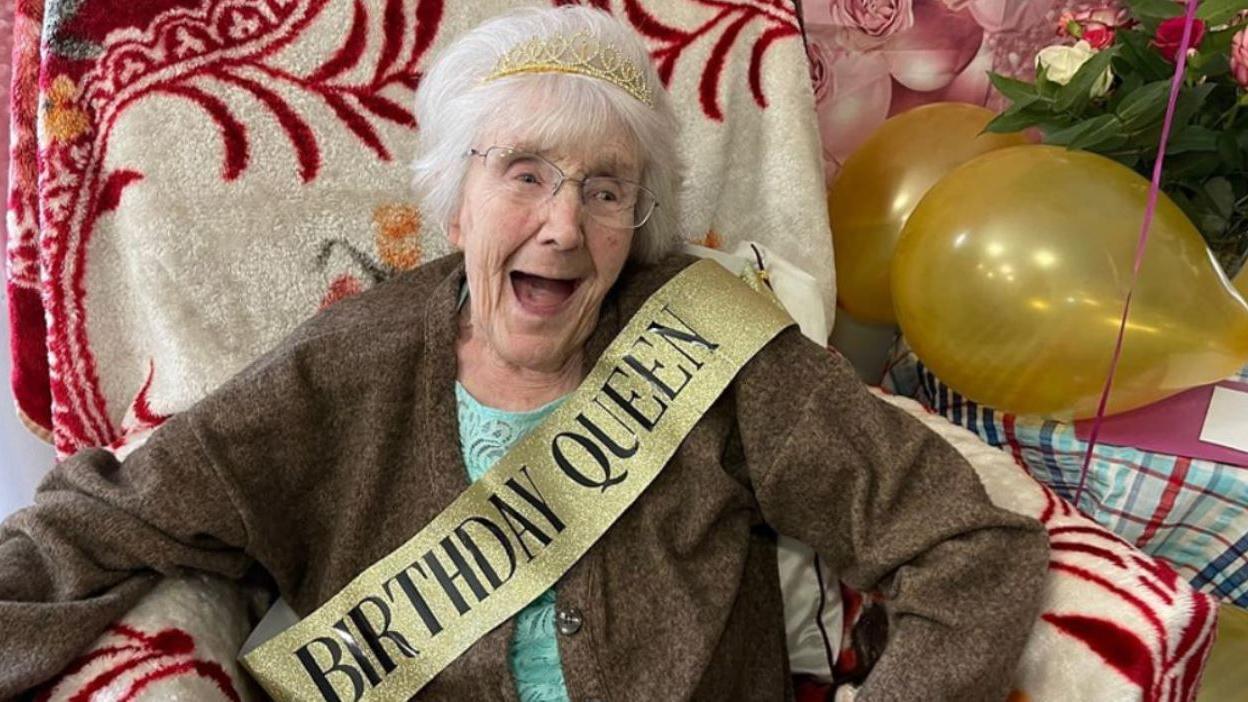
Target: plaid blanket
1189 512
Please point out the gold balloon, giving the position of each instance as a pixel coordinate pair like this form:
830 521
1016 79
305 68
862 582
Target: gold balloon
1241 281
1010 277
880 186
1225 677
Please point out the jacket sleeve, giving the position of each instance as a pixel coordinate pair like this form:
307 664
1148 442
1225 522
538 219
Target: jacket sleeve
100 533
893 507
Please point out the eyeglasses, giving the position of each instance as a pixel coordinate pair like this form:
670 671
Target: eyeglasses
530 180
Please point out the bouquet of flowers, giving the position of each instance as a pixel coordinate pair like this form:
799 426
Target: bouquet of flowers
1104 88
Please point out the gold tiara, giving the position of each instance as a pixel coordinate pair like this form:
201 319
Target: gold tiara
579 54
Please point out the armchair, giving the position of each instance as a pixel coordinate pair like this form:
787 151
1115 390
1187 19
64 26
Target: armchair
193 179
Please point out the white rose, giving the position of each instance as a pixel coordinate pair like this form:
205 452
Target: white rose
1060 63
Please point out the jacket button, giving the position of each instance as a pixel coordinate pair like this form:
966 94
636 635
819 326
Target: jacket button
568 620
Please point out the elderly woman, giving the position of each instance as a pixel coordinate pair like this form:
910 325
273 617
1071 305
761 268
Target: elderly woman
547 154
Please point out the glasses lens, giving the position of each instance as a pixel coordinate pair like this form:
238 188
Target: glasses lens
618 203
527 177
530 179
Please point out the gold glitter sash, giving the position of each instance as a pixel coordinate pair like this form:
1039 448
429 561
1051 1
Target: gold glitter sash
512 534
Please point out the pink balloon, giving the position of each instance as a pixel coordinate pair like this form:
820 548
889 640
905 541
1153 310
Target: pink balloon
930 54
997 16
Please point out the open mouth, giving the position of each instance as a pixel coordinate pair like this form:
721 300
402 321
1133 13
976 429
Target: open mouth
540 295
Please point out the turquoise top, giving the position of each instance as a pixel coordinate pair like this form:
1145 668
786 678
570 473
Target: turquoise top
485 435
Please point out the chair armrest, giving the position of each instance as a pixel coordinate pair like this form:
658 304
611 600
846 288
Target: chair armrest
1117 624
178 643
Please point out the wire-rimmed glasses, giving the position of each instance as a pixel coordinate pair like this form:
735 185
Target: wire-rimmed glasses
529 180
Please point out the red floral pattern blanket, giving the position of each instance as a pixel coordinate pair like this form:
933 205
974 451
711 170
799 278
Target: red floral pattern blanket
193 178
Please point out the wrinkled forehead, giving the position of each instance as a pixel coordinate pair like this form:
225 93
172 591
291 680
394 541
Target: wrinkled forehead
586 158
602 144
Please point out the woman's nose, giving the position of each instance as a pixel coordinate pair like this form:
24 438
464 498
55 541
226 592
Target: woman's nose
565 215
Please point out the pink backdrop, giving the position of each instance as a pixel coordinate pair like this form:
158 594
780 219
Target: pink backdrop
871 59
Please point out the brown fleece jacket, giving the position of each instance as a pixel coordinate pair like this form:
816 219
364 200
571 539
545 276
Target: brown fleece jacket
333 449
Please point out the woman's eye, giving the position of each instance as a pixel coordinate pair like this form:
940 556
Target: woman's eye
606 192
525 177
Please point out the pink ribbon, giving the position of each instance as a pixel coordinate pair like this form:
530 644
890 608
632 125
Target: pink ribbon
1180 66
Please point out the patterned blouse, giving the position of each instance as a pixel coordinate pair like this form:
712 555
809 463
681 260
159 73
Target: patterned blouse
485 435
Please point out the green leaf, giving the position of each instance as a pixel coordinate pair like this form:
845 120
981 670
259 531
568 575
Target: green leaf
1049 91
1158 9
1144 106
1129 158
1191 99
1216 65
1063 135
1230 153
1131 82
1197 165
1193 138
1146 140
1019 93
1105 133
1221 195
1086 134
1242 140
1134 47
1015 120
1199 205
1214 54
1217 12
1075 95
1218 42
1210 223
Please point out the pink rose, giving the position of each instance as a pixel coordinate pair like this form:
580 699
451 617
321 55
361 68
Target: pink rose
1010 16
1107 16
1239 58
1098 35
821 58
929 55
865 24
1170 34
1097 27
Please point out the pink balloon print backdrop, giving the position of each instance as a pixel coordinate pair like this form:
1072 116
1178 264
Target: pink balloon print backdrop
871 59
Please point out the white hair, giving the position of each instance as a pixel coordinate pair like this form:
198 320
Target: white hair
454 108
